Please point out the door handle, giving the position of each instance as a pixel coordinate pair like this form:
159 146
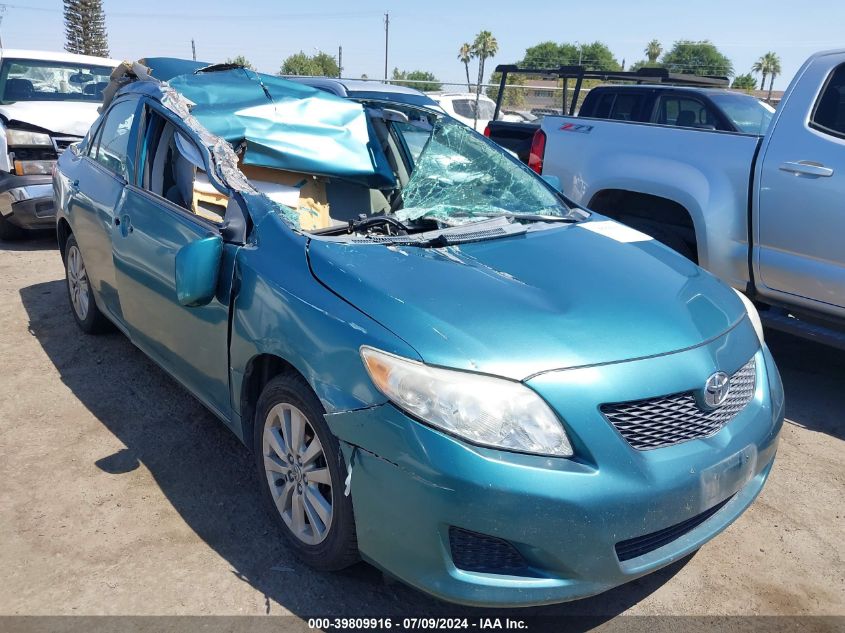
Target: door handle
125 224
806 168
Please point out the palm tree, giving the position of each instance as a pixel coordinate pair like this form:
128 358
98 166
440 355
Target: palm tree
653 50
774 71
465 54
761 66
484 46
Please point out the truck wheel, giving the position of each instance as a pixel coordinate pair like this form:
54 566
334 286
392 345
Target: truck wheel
8 231
81 295
673 241
302 473
666 237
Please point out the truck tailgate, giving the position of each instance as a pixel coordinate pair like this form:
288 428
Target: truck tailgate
513 136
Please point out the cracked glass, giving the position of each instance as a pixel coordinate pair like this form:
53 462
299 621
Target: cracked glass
459 177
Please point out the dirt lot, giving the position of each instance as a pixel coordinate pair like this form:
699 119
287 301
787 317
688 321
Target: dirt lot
122 495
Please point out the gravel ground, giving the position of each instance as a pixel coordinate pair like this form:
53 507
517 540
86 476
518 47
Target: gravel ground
122 495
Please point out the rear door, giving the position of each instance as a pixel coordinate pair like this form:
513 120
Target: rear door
98 176
801 200
161 213
618 105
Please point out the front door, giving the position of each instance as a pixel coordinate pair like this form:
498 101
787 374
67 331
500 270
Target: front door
97 177
158 217
801 207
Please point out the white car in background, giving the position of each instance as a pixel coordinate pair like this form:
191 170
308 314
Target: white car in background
461 106
48 100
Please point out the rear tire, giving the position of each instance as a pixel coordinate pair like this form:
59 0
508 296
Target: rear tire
673 241
80 294
302 474
10 232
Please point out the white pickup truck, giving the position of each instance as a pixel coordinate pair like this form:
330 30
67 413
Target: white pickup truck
764 213
47 102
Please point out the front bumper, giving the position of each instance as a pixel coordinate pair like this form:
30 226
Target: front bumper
411 483
27 201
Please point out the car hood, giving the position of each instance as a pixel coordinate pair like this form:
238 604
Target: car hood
550 299
65 117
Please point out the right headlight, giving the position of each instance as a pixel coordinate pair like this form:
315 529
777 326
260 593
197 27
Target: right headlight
753 315
484 410
25 138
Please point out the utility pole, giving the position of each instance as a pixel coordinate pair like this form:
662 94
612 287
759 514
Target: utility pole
2 12
193 49
340 61
386 37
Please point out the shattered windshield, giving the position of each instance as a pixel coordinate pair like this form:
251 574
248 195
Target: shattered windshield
459 177
38 80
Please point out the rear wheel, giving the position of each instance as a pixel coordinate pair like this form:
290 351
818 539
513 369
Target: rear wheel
81 295
8 231
670 239
302 473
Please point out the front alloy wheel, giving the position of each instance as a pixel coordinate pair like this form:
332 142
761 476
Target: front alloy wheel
302 472
297 473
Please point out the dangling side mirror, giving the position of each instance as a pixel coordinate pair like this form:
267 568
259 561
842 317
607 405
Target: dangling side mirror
197 270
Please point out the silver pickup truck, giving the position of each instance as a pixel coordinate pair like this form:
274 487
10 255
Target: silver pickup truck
764 213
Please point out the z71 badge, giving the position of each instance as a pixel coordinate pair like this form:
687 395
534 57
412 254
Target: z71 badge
576 127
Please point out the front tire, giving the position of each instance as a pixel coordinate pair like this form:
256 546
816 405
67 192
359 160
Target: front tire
10 232
80 294
302 473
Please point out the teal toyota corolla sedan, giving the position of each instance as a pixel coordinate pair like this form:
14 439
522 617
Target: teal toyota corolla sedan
442 366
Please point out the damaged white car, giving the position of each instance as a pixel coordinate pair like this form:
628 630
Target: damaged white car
47 101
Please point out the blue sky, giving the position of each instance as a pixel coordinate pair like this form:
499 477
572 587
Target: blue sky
426 35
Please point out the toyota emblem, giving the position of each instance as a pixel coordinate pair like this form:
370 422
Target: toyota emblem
716 389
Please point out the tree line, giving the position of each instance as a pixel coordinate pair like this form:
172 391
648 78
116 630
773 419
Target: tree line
85 33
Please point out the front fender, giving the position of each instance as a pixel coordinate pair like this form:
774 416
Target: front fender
281 310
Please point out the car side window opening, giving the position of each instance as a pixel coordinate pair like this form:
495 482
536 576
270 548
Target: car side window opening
626 107
685 112
604 105
466 108
749 115
829 114
174 170
110 148
91 147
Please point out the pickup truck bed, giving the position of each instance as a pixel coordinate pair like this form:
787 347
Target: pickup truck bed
515 136
598 160
764 213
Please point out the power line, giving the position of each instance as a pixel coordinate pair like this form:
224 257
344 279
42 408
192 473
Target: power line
215 16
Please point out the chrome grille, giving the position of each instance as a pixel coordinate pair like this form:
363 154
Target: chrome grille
668 420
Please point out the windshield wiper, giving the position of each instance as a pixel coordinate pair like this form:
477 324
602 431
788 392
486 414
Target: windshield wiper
536 217
364 222
572 216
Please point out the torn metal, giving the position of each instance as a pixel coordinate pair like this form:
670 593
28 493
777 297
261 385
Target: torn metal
272 123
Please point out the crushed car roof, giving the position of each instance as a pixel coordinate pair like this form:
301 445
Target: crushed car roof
282 124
